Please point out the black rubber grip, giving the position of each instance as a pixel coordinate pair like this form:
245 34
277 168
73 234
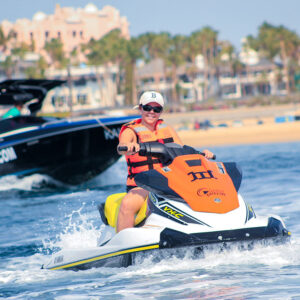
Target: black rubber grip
122 149
214 157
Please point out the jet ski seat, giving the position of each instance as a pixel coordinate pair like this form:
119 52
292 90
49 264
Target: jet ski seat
110 209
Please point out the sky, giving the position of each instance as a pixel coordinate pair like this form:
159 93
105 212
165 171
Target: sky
233 19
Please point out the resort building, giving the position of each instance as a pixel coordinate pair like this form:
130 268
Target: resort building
91 87
261 77
73 26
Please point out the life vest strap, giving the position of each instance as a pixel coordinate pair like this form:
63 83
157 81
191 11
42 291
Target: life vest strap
143 163
167 140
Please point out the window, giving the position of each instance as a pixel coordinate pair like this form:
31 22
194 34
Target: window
31 35
228 89
58 101
74 34
59 34
82 99
46 34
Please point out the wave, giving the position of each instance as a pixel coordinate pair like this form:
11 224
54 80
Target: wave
238 267
112 177
29 183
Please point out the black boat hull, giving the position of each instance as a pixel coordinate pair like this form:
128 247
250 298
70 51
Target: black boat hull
71 154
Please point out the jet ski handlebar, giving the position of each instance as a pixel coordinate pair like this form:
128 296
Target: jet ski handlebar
165 152
122 148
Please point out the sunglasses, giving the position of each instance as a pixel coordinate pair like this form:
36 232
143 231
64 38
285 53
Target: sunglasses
156 109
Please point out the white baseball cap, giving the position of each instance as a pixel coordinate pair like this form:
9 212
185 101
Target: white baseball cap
151 96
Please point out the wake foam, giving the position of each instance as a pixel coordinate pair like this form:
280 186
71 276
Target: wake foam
79 233
29 183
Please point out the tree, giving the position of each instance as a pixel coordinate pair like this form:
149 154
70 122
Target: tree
154 45
205 41
175 58
19 54
277 40
116 54
133 53
38 70
56 53
8 66
95 57
4 39
228 50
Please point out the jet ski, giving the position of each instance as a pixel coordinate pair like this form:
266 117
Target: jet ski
193 202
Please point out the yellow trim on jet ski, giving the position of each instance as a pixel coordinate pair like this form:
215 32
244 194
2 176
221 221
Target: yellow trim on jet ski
106 256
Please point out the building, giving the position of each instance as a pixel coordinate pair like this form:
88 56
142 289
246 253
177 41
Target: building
73 26
93 87
88 88
261 77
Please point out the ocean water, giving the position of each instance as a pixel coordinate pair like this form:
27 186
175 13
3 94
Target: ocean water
39 216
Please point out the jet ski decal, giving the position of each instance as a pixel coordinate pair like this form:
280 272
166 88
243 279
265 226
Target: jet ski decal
7 155
112 134
172 212
250 213
201 175
101 257
178 214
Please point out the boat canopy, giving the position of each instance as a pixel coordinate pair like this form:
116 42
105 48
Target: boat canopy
14 91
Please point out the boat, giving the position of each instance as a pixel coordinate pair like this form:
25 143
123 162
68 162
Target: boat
193 203
71 150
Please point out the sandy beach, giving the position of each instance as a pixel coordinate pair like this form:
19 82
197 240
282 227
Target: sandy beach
244 126
265 133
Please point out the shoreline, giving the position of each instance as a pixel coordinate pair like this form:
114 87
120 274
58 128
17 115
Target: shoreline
256 134
242 126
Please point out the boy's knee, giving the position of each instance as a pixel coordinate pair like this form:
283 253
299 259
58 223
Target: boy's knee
131 203
126 205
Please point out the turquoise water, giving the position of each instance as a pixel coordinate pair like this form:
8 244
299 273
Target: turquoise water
40 216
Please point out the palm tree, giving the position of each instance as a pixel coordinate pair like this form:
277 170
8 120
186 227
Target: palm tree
204 41
277 40
56 52
175 58
133 53
38 70
8 66
95 57
238 68
193 46
154 46
228 50
116 53
4 39
19 53
104 52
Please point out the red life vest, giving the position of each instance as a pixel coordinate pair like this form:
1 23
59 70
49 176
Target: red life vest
137 163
